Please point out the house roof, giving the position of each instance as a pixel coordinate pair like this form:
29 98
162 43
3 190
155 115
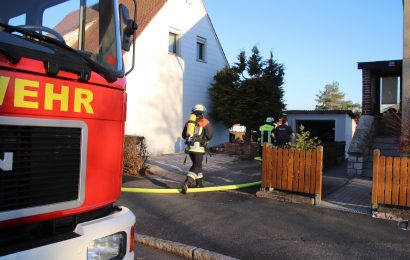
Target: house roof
384 68
319 112
216 35
146 11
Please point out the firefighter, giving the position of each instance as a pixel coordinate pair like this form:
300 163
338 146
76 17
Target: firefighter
196 141
266 134
266 131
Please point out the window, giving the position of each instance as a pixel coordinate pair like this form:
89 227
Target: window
18 20
201 49
173 43
67 23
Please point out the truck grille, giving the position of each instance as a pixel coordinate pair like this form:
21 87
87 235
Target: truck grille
46 166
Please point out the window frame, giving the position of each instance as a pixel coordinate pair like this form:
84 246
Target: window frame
201 45
176 44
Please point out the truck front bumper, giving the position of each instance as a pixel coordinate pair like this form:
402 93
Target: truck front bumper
76 248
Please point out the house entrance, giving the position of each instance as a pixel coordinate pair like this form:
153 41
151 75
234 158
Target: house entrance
382 86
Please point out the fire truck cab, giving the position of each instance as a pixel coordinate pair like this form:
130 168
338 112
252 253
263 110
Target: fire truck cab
62 113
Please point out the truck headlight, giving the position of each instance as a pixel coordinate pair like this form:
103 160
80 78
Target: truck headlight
109 247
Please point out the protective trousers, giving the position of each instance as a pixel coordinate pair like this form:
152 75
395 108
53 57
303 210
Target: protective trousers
194 176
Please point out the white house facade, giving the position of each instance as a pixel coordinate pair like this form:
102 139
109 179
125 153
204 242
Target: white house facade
176 56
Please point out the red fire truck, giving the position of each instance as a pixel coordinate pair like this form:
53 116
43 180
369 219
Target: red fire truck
62 113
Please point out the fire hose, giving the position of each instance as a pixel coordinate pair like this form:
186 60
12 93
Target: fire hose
192 190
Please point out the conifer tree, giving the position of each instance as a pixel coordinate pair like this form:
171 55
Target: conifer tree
224 100
331 98
248 92
254 63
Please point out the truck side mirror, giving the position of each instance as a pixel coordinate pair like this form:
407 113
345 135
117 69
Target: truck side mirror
127 27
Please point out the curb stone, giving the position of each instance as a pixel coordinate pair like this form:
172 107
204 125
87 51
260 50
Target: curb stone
187 251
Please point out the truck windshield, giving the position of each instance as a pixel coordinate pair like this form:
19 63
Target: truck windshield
89 26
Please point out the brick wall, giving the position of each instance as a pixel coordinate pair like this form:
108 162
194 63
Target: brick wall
366 93
245 150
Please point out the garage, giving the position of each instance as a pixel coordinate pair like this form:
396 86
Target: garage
327 125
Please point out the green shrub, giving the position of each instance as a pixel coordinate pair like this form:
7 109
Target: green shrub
304 141
135 155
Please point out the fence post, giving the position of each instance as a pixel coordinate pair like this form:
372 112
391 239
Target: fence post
268 160
264 172
376 157
274 166
319 168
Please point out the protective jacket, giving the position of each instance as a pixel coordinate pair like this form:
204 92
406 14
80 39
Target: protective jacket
202 135
266 133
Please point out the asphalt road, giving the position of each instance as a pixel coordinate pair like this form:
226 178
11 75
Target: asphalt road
143 252
246 227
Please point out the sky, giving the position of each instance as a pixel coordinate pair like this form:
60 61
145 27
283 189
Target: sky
318 41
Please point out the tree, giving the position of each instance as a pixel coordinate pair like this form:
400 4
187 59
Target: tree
224 96
333 99
255 63
249 91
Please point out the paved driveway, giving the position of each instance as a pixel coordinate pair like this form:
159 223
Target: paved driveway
169 171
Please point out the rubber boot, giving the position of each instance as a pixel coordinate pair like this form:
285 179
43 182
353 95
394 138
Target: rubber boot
199 183
187 183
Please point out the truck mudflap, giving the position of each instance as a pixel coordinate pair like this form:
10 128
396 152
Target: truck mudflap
109 235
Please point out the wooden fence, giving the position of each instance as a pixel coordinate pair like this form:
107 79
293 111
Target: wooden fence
391 182
293 170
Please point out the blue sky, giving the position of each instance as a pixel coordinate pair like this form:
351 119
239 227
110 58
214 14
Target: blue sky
318 41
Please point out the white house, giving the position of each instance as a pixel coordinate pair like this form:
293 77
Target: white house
328 125
177 54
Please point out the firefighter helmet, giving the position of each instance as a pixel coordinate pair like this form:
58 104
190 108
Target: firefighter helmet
198 108
270 120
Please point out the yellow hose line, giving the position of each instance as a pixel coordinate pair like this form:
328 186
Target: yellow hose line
191 190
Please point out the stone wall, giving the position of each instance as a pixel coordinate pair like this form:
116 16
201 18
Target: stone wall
360 147
356 165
